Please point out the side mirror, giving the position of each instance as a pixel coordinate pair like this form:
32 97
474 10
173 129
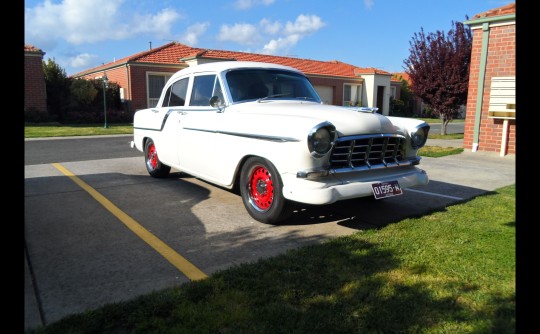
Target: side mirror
215 101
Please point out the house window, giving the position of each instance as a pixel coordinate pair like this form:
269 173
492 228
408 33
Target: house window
393 92
155 83
352 95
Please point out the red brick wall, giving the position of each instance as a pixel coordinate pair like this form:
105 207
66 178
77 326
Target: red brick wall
138 83
35 94
135 89
501 61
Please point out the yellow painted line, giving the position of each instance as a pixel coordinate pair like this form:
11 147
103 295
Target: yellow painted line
177 260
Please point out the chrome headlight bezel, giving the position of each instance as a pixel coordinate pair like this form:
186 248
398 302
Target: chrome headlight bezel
321 139
419 136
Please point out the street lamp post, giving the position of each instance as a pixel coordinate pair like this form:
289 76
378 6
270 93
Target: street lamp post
105 86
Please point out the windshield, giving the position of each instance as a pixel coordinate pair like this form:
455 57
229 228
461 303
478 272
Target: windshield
252 84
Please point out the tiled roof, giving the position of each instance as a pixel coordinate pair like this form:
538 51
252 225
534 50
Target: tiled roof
504 10
176 53
31 48
401 75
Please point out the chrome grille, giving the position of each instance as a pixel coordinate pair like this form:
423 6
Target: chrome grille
367 151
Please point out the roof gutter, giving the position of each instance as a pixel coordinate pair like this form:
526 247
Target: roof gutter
491 19
98 70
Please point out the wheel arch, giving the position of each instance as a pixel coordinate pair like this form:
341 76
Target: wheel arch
242 162
238 171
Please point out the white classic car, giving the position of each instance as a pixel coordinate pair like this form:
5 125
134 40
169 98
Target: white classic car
262 128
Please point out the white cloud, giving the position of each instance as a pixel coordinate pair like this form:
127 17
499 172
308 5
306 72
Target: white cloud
292 33
369 3
241 33
281 45
270 28
246 4
89 21
159 24
82 60
193 32
304 25
282 36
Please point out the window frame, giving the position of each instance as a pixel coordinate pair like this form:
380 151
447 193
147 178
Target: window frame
166 75
358 94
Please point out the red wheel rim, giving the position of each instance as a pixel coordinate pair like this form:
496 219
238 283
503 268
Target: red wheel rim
152 156
261 188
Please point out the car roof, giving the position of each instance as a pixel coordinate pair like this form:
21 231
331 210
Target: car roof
227 65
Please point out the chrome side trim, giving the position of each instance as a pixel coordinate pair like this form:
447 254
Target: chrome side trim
165 119
249 135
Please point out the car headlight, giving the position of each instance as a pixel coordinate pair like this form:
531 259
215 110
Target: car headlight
419 136
321 139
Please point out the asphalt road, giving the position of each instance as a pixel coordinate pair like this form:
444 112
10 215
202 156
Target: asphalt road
452 127
79 255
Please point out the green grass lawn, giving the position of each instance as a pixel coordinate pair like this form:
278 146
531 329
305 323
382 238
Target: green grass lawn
449 271
438 151
60 130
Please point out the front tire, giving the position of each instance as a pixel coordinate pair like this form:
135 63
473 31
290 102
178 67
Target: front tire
155 167
261 189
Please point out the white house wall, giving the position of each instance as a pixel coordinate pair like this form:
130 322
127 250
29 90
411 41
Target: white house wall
368 93
371 82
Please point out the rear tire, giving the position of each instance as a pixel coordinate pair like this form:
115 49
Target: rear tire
261 189
155 167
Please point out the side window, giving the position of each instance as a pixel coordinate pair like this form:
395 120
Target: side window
217 90
203 89
178 92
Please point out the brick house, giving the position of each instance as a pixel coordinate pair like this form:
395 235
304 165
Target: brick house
490 122
142 76
35 93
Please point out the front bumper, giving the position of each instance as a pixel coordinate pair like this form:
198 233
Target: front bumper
335 188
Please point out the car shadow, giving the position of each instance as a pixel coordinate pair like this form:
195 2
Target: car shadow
368 212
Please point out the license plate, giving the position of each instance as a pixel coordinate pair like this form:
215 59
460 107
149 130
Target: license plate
386 189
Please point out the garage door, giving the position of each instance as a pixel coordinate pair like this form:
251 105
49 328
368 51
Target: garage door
326 93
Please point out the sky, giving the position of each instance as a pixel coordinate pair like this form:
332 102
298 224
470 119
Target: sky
81 34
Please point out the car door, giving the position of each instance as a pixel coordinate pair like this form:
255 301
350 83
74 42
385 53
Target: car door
197 128
172 107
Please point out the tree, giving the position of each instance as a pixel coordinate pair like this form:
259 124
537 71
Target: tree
406 95
83 92
403 106
439 69
58 88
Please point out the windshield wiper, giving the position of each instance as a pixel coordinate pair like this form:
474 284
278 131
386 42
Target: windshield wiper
271 96
284 94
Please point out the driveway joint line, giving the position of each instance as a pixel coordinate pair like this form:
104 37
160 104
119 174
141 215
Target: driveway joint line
434 194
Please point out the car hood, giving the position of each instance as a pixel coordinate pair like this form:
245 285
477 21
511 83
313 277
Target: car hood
293 114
